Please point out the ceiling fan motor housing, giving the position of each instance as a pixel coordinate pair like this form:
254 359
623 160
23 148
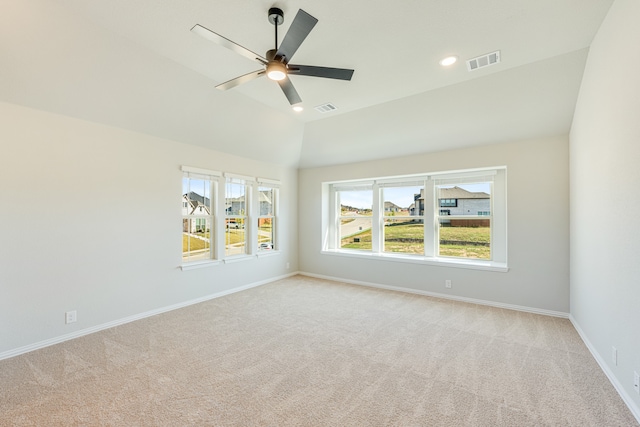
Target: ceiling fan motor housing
271 55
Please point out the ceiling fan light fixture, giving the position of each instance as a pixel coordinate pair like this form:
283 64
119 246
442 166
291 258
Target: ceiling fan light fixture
276 71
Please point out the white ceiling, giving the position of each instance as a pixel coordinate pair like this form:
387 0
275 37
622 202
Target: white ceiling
136 65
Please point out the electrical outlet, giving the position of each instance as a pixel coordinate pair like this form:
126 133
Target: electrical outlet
636 382
447 284
70 316
614 356
288 265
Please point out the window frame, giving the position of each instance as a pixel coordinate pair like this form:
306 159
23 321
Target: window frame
498 218
439 216
274 217
340 217
218 217
212 177
381 186
248 184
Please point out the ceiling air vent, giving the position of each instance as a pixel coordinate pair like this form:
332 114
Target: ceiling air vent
483 61
325 108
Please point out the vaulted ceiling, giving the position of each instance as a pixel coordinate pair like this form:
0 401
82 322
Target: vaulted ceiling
136 65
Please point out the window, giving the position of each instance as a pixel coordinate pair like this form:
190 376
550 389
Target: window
227 219
236 201
402 217
445 203
462 233
267 209
198 208
403 232
355 210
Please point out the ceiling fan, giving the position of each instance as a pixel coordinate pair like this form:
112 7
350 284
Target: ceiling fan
276 61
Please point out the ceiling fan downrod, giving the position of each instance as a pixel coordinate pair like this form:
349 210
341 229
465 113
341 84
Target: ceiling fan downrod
276 17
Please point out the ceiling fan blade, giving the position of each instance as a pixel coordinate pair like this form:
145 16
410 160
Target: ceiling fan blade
300 28
223 41
239 80
290 92
326 72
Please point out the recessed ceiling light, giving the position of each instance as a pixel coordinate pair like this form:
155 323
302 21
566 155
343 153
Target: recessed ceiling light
449 60
298 108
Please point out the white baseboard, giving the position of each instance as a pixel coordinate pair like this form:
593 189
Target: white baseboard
77 334
444 296
628 400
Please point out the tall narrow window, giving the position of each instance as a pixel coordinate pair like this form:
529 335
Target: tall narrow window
464 227
267 206
403 218
355 217
236 214
198 208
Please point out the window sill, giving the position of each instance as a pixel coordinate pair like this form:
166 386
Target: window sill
268 253
238 258
198 264
439 262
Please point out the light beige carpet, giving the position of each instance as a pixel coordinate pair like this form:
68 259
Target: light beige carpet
309 352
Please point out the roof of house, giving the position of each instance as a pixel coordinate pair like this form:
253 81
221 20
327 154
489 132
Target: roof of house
461 193
195 197
458 193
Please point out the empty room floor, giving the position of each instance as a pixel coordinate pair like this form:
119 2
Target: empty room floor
310 352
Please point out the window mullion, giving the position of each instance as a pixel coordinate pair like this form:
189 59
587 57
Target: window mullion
212 216
430 219
377 241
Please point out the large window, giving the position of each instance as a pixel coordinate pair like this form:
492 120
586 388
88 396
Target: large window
227 217
442 217
198 208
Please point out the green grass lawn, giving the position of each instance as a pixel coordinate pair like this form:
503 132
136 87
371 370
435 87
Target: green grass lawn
234 236
407 238
194 244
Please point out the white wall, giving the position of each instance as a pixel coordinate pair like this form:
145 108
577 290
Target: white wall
605 197
73 197
538 226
